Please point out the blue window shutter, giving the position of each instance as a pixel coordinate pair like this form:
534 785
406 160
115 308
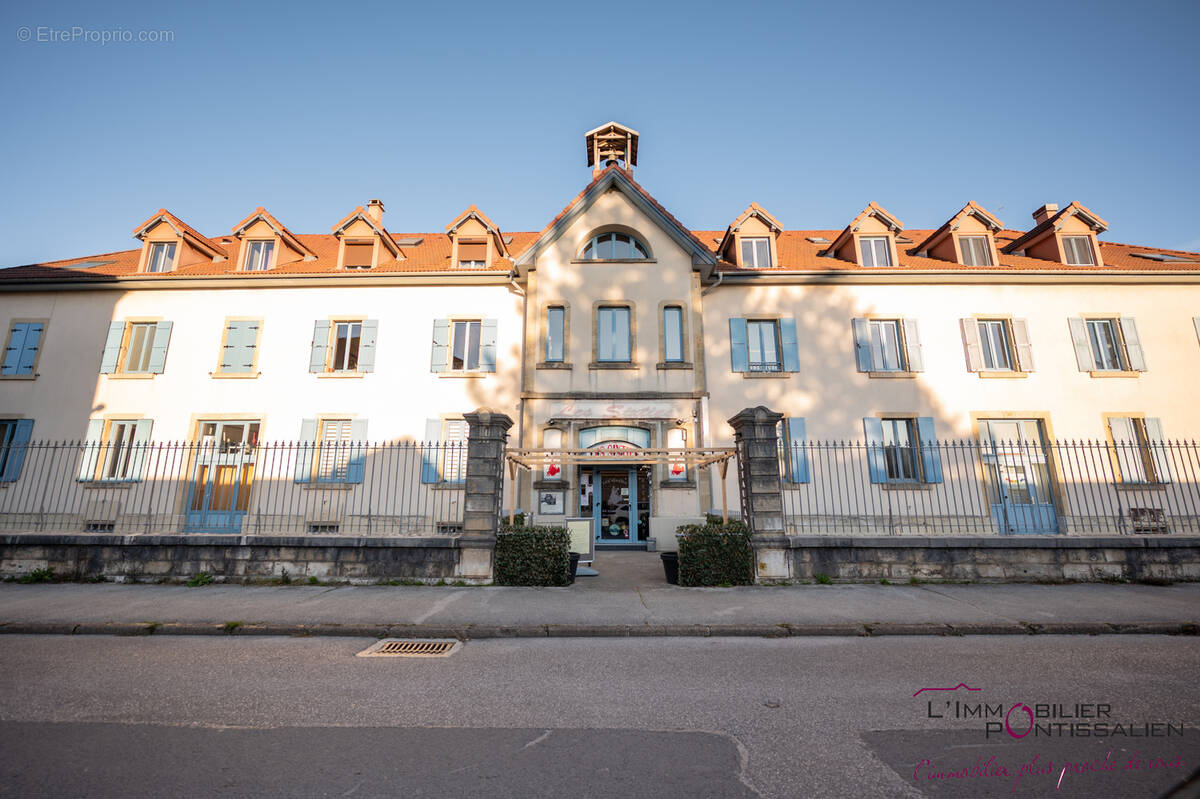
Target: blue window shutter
319 355
861 329
876 463
429 453
914 354
1133 344
23 342
141 447
487 345
112 348
33 340
789 344
357 465
16 344
739 350
304 450
931 456
797 449
16 450
158 352
90 455
1160 453
441 348
366 345
241 339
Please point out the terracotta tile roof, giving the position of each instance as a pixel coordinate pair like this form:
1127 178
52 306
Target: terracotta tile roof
432 254
183 227
1035 233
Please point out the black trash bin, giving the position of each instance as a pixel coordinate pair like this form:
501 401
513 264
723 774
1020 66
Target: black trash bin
670 561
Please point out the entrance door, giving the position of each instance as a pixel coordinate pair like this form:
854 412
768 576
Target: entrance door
222 475
618 499
1018 478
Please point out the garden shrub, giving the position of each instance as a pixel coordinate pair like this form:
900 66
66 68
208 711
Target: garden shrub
715 553
532 556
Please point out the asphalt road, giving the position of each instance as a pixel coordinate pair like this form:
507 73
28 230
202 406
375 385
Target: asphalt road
679 717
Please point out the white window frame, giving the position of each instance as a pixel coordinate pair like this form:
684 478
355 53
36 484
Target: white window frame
987 345
260 255
460 328
975 250
760 252
1074 246
614 355
352 350
332 464
898 455
675 340
1118 349
146 347
556 336
877 245
754 338
160 257
592 247
453 462
116 451
879 344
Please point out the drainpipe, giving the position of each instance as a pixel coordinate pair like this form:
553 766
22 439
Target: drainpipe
516 483
720 278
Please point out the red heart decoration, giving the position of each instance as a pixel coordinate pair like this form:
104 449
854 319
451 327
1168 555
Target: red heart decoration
553 470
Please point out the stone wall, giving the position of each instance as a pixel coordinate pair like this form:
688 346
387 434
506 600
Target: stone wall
996 559
235 558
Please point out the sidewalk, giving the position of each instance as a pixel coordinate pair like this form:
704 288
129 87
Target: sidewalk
629 598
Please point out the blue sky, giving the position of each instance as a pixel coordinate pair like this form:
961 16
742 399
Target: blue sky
812 110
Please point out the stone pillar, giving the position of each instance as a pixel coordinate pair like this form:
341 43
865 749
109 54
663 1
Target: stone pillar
487 437
761 489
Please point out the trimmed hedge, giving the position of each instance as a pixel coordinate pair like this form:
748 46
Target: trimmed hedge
532 556
715 553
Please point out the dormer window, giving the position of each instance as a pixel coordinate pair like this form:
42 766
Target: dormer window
359 254
876 251
259 255
472 254
614 247
756 252
161 257
1078 250
976 250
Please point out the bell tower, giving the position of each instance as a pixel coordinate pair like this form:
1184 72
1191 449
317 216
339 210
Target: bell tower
609 144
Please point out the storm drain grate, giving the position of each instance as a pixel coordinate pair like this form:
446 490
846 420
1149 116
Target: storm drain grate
412 648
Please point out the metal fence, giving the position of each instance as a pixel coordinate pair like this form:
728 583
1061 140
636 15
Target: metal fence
281 488
991 488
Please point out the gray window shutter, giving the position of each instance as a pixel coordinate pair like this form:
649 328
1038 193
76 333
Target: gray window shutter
441 347
357 465
797 450
1129 453
739 350
861 329
366 345
931 456
1196 323
16 450
1160 450
241 339
429 452
91 450
158 352
319 356
304 449
914 353
112 348
1083 346
876 463
972 346
1021 344
141 447
789 344
487 345
1133 344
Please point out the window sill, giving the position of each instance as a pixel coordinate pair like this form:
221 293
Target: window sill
317 485
1141 486
767 375
123 485
670 365
1112 373
446 486
906 486
681 484
341 375
563 365
613 365
474 373
19 377
235 375
130 376
1001 374
614 261
898 374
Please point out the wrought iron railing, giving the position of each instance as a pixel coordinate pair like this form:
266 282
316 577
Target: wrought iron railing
279 488
991 488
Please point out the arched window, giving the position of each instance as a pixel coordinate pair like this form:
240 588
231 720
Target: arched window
614 246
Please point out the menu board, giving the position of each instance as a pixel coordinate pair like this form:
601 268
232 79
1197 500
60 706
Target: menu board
583 540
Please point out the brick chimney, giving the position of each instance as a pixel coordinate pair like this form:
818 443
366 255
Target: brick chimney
375 211
1045 212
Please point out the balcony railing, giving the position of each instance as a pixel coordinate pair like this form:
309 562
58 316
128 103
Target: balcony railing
766 366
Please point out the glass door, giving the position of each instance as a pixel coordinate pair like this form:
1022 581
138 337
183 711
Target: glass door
1017 475
222 476
613 499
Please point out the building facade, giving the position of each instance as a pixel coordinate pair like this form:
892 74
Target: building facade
614 327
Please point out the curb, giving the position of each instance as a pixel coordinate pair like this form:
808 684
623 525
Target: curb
466 632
